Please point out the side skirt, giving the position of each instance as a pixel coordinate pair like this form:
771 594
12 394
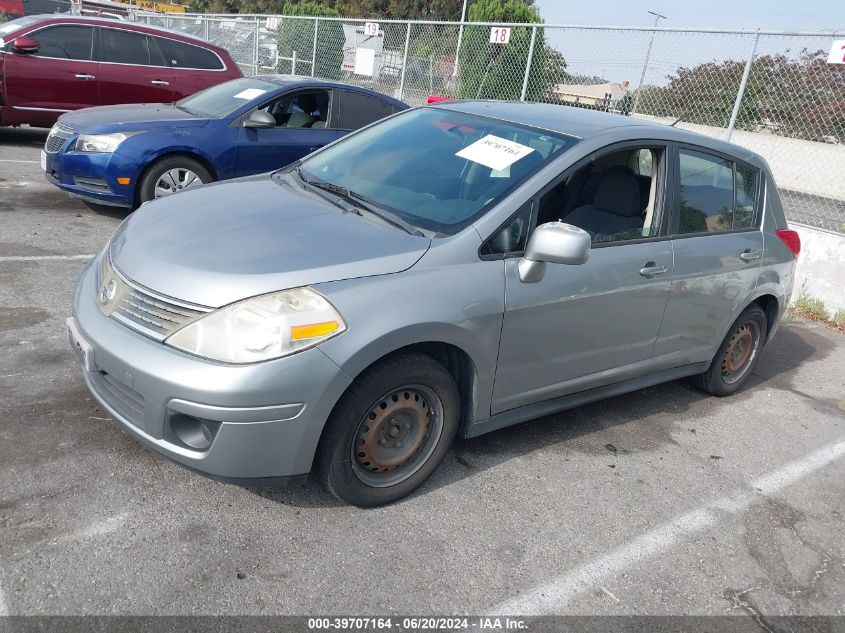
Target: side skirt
547 407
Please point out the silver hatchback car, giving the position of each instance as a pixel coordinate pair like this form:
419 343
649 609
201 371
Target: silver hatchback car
452 270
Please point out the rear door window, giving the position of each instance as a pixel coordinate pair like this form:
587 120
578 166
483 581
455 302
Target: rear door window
124 47
65 42
358 110
716 194
182 55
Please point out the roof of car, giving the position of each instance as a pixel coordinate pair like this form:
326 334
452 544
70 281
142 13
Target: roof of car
105 20
304 80
584 123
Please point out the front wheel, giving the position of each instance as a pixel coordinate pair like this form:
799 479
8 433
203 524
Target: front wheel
389 431
170 175
737 354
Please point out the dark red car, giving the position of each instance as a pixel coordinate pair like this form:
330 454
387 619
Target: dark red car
51 64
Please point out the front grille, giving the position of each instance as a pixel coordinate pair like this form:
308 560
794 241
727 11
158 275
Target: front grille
153 315
141 309
59 134
126 402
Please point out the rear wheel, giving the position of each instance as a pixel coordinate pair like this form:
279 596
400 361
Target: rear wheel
170 175
737 354
389 431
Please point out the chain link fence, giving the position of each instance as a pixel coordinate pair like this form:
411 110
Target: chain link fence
771 92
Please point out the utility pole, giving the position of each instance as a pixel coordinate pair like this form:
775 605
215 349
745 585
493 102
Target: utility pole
460 37
657 18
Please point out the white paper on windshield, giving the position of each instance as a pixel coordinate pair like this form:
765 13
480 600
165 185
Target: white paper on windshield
250 93
495 152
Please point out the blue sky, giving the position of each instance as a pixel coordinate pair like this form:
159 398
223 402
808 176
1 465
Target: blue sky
618 55
751 14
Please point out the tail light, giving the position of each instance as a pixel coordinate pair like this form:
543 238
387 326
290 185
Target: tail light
791 240
438 99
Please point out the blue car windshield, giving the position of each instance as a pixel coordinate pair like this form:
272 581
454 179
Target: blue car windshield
223 99
437 169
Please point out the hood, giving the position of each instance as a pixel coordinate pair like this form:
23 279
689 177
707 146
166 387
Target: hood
228 241
128 117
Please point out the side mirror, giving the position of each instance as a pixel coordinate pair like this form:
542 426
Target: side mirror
25 45
553 243
260 118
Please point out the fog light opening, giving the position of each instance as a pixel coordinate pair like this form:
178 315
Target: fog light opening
194 433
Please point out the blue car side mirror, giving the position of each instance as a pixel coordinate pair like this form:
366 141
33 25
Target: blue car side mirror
260 118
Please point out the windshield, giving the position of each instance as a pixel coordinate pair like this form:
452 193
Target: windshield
438 169
14 25
223 99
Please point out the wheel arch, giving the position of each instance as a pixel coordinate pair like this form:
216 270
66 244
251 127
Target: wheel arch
768 302
152 161
771 306
457 361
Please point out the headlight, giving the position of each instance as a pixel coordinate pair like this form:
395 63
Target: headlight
103 143
261 328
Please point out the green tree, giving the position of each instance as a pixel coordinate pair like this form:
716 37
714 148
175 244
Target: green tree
298 36
497 71
801 96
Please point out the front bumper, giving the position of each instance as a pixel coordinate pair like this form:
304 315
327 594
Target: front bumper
266 418
92 177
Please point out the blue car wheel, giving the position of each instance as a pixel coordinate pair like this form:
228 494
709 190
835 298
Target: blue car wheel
170 175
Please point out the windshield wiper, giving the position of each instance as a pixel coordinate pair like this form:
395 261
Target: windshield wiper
384 214
339 192
362 201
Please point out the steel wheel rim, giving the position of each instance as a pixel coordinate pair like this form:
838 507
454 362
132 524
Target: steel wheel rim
740 353
397 436
175 180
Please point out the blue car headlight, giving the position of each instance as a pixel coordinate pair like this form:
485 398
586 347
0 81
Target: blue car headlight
101 143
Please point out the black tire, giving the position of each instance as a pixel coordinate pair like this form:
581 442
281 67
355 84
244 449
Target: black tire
430 427
737 355
146 187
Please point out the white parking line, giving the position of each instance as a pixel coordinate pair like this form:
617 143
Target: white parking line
28 162
41 258
554 595
4 610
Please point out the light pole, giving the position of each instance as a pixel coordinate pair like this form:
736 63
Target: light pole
657 17
460 37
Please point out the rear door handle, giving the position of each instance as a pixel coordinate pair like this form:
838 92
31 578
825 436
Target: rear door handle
84 76
747 255
651 269
159 82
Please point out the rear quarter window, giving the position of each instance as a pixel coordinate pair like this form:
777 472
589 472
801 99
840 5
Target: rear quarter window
182 55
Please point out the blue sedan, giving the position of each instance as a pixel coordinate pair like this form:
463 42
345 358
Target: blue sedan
125 155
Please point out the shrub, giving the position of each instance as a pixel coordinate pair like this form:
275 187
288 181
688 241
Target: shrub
298 35
497 71
811 308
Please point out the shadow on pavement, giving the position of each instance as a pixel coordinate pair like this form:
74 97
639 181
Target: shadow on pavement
662 408
23 136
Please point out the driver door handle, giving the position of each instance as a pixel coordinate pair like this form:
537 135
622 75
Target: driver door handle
651 269
747 255
159 82
85 76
